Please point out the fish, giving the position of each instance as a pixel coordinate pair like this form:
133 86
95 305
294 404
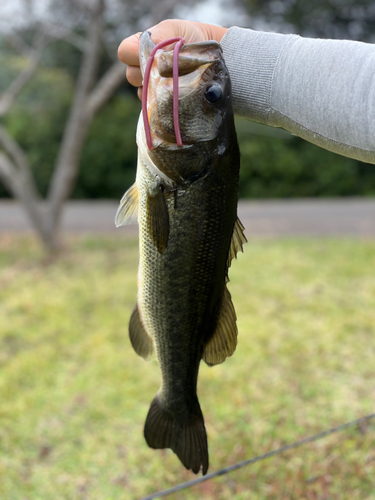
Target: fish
185 201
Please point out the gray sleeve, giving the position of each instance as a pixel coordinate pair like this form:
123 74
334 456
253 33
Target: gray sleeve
320 90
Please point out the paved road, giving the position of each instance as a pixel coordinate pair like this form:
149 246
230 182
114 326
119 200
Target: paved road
349 216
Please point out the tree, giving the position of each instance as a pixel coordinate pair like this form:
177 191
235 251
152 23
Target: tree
90 94
345 19
93 27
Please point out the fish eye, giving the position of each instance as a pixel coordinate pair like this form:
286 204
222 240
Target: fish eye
213 93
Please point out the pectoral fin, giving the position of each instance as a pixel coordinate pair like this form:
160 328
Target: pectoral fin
238 240
223 342
127 212
157 218
141 341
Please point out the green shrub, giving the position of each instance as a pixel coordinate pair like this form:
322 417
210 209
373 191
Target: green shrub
274 164
287 166
37 123
109 158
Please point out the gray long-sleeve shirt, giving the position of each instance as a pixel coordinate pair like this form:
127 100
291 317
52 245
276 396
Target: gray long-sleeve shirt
320 90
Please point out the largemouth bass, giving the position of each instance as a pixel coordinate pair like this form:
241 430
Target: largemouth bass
185 200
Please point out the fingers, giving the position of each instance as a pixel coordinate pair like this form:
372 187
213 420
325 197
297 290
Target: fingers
167 29
134 76
191 31
128 51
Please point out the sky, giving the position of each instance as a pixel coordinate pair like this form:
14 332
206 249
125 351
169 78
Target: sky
12 11
214 12
209 11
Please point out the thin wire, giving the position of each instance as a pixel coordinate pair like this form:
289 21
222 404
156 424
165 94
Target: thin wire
287 447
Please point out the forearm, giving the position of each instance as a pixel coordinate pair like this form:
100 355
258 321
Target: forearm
320 90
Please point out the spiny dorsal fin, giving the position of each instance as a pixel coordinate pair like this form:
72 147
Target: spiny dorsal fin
223 342
157 218
127 212
141 341
238 240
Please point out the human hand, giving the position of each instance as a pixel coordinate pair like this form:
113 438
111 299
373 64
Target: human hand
190 31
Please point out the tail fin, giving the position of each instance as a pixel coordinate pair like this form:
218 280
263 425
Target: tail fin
188 440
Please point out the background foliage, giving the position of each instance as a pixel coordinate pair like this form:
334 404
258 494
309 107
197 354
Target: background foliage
273 164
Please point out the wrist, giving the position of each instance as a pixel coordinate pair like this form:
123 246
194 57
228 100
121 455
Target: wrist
219 33
214 32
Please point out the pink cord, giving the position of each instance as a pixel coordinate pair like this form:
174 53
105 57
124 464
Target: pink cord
176 122
180 41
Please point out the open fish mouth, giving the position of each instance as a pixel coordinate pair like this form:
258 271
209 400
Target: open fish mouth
172 72
191 57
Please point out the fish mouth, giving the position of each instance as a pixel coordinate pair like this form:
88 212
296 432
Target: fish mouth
193 61
191 55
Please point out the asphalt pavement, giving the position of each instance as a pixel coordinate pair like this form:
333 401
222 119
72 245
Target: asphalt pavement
265 218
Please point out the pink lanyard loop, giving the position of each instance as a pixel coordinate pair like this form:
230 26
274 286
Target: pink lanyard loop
180 41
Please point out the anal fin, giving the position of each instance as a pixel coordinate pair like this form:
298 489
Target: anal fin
127 212
223 342
141 341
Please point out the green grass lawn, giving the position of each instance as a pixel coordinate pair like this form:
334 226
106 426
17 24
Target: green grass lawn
74 395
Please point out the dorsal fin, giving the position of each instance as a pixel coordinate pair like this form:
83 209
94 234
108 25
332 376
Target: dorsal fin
223 342
141 341
238 240
127 212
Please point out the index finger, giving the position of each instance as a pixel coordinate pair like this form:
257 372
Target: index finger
128 51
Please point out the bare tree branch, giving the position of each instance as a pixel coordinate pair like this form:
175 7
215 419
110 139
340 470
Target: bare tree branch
14 150
7 173
90 94
17 167
105 88
33 54
18 43
7 98
76 127
61 33
19 185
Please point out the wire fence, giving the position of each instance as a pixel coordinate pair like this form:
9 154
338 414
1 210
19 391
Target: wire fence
258 458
